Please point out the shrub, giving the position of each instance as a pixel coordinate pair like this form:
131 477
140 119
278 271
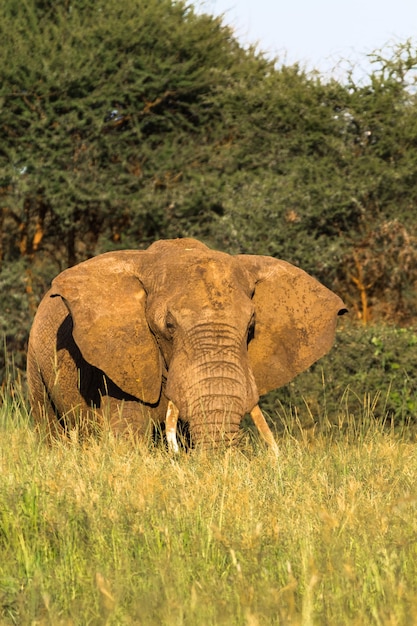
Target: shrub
371 373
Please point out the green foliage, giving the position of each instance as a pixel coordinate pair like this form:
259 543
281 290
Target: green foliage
15 313
370 372
122 123
95 107
326 178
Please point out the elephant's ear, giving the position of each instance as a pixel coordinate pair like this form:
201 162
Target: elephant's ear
106 301
295 321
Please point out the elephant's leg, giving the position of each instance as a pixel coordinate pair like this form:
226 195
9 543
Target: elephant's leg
264 430
68 379
130 417
43 410
45 418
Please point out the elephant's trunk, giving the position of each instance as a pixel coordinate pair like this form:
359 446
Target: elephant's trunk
213 390
256 414
216 401
215 417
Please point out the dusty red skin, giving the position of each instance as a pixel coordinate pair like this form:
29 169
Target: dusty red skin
127 336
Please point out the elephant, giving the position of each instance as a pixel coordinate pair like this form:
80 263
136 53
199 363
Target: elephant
135 338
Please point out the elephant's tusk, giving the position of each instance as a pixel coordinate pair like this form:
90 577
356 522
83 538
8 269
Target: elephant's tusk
264 430
171 420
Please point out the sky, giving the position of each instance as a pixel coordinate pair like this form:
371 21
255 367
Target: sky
319 34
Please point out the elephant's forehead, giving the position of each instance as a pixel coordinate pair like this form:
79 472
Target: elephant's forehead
193 265
209 269
211 277
220 271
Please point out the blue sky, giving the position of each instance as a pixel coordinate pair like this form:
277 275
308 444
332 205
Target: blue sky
319 33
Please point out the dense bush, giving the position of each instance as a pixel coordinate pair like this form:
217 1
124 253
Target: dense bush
122 123
371 372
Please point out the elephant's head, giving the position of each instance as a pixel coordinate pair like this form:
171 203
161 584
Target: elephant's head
208 330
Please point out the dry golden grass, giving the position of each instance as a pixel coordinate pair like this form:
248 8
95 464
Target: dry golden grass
108 532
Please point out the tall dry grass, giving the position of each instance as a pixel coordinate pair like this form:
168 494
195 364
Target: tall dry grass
111 532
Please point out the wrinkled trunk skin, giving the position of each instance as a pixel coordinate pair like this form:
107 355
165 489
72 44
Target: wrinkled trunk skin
211 384
214 416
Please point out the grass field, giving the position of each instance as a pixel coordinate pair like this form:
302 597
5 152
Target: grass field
114 533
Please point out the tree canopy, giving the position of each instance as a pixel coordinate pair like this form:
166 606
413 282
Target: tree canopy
122 123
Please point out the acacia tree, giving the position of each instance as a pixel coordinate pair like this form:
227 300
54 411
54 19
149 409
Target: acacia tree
102 107
327 172
125 122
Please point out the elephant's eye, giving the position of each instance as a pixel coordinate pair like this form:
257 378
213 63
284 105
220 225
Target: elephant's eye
170 326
